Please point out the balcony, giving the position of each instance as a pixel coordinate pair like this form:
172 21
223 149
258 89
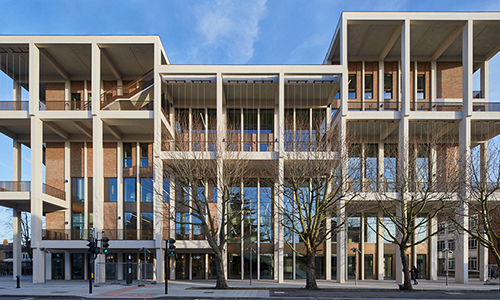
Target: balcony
14 105
54 192
387 105
15 186
50 105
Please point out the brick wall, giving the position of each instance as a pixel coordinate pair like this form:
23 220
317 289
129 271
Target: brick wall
54 220
449 80
77 154
54 174
109 153
110 215
90 160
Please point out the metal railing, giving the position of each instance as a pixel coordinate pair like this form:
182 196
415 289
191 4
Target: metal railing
64 105
52 191
486 106
131 89
65 234
14 105
15 186
129 234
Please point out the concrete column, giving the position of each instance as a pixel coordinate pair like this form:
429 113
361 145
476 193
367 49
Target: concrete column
433 83
482 261
433 252
362 248
341 214
36 196
67 184
341 244
362 91
467 67
158 216
16 244
96 79
34 79
461 252
399 264
16 161
485 79
67 90
67 265
405 68
380 84
380 246
16 90
344 80
279 234
328 250
98 185
119 189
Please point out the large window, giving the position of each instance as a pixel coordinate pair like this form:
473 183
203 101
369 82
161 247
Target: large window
369 86
130 225
144 156
420 87
77 189
441 245
472 243
127 155
110 193
146 189
129 190
388 86
266 214
146 226
266 130
352 86
472 263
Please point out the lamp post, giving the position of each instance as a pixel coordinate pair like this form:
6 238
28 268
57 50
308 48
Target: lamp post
355 250
447 251
143 275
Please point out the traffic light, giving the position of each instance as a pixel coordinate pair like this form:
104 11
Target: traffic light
91 246
171 247
105 244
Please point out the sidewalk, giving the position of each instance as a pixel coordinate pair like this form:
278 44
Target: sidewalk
203 288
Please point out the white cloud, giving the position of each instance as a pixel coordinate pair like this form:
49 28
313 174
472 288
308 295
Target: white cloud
229 29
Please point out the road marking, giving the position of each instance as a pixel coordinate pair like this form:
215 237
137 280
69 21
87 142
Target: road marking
453 293
279 292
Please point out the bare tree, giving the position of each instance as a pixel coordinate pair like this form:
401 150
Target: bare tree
420 181
209 170
312 188
481 197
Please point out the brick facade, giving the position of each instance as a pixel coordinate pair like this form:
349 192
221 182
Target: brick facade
449 80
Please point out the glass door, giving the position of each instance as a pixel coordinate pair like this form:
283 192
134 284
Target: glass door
368 266
422 266
198 265
57 266
388 266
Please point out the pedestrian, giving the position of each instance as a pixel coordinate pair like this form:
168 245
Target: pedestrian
414 274
492 273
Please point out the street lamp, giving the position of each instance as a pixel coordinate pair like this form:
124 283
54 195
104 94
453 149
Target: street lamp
448 251
356 251
143 266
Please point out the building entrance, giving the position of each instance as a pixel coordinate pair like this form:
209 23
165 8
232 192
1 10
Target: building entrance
57 266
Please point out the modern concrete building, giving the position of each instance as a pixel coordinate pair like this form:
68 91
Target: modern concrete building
99 115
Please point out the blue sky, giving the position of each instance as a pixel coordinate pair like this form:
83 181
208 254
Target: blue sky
207 32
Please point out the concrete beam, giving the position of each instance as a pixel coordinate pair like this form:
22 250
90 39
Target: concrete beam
83 129
391 42
55 64
114 131
111 64
386 132
57 130
8 132
452 37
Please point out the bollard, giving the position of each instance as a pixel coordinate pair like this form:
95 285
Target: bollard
18 282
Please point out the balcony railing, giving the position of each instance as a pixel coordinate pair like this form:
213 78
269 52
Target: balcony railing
83 234
64 105
15 186
14 105
65 234
486 106
52 191
372 105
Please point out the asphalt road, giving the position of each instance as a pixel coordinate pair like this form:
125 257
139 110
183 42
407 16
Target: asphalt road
324 294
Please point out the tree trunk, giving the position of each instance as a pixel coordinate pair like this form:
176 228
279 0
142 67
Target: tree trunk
406 271
221 277
311 270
